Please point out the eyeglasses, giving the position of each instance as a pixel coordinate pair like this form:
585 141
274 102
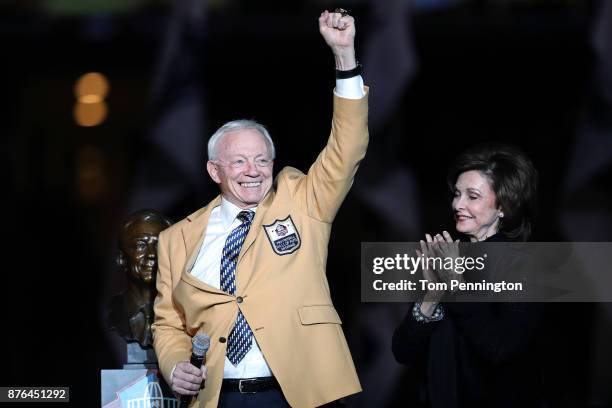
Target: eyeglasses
242 163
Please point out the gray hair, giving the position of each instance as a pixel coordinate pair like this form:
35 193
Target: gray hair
233 126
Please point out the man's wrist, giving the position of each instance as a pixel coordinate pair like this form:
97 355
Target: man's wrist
345 61
349 73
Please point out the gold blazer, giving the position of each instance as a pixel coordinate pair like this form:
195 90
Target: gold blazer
280 278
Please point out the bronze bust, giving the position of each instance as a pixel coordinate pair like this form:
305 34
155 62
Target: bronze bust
131 312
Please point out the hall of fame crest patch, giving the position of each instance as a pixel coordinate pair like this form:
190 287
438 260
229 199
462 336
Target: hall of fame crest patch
283 236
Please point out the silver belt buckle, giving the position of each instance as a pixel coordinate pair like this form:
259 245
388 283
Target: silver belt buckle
240 386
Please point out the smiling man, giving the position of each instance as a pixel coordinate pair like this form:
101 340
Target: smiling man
249 269
241 155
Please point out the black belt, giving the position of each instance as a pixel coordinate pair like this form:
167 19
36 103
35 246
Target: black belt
249 385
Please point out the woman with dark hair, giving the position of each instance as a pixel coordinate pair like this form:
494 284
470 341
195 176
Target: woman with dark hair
509 175
478 354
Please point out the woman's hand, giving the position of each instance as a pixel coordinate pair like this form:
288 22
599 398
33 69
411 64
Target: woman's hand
444 247
432 297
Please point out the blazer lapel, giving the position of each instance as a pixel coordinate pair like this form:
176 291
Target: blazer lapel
257 221
193 235
193 232
191 280
244 275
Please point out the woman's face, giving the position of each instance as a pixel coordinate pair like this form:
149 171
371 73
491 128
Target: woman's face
474 206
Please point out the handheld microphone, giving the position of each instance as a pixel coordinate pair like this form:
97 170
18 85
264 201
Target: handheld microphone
200 344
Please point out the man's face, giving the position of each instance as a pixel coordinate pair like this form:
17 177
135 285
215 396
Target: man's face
139 246
243 168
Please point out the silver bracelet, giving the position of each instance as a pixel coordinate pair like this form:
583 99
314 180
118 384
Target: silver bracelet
438 313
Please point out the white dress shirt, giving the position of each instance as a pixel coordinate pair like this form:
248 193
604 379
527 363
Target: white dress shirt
207 268
222 221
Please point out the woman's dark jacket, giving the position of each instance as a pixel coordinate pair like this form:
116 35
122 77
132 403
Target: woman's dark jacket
478 355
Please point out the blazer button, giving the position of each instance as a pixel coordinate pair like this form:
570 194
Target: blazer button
239 299
222 339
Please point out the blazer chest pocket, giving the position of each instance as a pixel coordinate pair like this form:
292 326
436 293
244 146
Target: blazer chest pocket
318 314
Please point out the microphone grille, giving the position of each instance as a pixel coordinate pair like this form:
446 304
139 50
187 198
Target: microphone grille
201 343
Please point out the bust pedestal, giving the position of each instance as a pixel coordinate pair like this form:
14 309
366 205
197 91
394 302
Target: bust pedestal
139 384
139 357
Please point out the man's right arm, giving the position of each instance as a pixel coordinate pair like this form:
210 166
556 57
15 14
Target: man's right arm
170 341
172 344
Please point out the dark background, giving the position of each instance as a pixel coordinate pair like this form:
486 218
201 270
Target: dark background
533 73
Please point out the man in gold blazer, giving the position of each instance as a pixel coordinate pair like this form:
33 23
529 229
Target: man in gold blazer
249 268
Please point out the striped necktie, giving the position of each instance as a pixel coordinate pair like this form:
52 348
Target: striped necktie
240 339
